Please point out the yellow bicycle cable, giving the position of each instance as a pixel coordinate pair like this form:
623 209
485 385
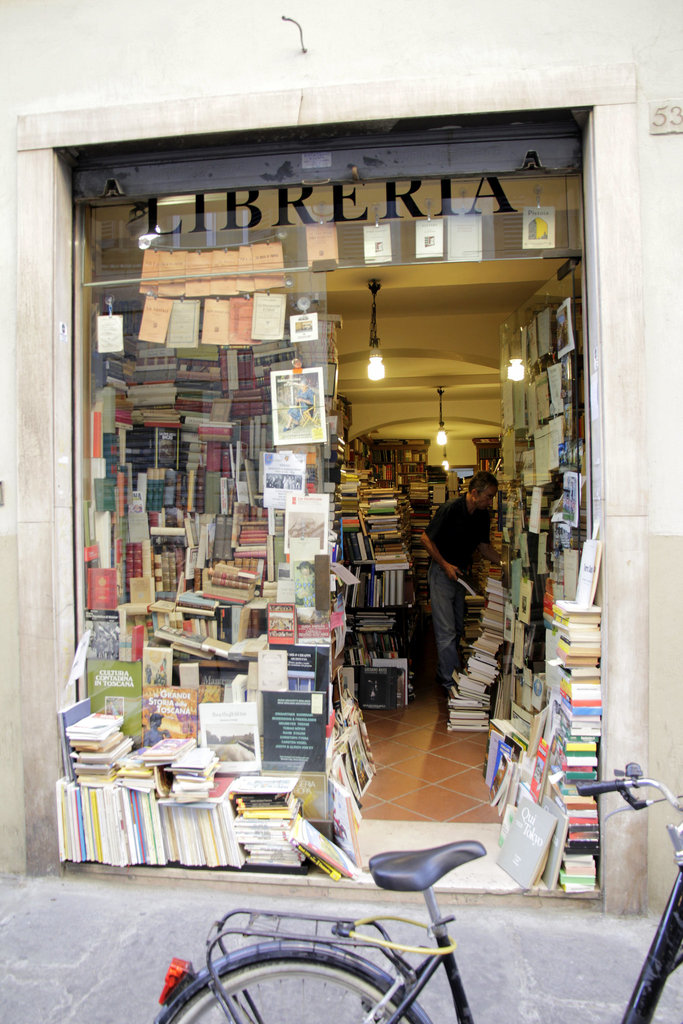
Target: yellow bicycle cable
397 946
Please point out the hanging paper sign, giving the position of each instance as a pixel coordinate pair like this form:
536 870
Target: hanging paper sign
268 317
428 239
110 333
377 243
465 238
321 243
538 228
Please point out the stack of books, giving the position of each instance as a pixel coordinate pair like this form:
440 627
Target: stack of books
575 747
384 514
97 745
168 750
469 699
265 808
201 833
193 774
578 872
579 634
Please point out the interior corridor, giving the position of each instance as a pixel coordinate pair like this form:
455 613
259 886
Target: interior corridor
425 772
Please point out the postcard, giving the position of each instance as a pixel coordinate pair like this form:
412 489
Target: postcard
565 333
303 327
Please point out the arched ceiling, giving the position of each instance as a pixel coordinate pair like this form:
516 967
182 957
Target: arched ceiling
438 326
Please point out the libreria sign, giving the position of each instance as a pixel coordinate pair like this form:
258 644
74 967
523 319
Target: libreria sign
247 209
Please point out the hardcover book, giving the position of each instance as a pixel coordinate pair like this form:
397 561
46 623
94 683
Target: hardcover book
551 870
378 687
231 730
281 623
101 588
157 666
115 687
168 712
294 726
525 848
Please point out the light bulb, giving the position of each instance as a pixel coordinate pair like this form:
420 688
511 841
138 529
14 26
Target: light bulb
445 464
376 368
515 370
441 437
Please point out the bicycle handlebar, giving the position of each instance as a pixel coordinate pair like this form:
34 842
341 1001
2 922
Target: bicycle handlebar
597 788
627 785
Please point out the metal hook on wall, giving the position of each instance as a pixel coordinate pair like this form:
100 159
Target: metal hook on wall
285 18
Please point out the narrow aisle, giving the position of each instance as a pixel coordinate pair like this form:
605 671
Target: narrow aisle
425 772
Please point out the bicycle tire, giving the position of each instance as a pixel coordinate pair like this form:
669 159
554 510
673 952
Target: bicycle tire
294 985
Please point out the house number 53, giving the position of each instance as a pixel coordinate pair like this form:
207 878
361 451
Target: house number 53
666 118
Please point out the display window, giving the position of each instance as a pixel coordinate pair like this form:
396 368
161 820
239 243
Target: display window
215 439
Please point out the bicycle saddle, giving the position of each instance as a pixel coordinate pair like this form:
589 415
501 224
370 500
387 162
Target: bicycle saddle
416 870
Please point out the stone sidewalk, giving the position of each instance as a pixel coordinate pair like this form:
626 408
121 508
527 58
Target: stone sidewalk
87 948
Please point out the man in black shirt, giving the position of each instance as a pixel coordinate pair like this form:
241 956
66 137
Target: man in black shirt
458 529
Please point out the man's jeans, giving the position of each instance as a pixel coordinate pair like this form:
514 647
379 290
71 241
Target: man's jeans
448 616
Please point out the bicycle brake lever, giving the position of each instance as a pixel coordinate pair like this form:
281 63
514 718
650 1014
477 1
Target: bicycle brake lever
637 805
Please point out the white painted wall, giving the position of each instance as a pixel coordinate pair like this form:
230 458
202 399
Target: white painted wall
379 60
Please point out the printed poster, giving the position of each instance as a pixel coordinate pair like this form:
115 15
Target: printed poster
298 404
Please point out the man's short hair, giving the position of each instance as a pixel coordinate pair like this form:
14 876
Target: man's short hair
480 481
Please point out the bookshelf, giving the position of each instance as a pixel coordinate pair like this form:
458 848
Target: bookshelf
488 453
399 462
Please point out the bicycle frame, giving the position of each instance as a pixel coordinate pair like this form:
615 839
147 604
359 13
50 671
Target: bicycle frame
339 941
285 933
662 959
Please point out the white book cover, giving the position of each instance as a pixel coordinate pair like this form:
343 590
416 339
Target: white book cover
231 731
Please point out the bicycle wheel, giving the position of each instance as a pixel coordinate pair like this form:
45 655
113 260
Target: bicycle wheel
291 988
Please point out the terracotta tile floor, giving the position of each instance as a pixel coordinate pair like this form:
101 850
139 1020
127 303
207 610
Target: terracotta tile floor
425 772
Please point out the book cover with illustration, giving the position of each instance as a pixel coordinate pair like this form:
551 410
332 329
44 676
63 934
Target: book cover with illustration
115 688
231 730
157 666
168 712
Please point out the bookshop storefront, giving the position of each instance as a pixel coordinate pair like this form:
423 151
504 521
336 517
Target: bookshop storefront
192 272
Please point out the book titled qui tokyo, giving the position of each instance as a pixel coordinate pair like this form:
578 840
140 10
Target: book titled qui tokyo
526 845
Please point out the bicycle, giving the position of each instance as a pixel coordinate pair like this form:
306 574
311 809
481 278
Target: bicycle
311 967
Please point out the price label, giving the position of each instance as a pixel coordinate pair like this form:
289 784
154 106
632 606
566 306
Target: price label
666 118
